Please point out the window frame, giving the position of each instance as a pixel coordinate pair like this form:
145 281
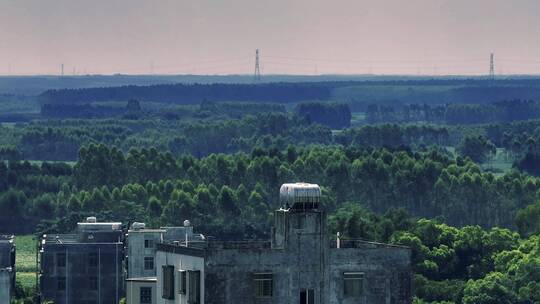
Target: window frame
93 259
61 257
182 282
148 243
353 277
260 280
145 298
147 261
167 291
194 286
93 283
61 284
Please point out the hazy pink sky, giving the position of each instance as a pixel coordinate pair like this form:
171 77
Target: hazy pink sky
294 36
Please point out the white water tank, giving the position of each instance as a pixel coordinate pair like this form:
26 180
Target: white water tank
300 195
91 219
138 226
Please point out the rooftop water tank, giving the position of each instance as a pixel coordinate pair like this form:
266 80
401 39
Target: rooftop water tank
300 196
138 226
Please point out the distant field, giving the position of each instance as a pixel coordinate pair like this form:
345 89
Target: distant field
358 118
26 260
500 164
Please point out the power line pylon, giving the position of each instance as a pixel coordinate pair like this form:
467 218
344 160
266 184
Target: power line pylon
257 75
491 67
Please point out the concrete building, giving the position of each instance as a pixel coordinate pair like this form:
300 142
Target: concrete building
85 267
300 264
141 255
7 268
141 290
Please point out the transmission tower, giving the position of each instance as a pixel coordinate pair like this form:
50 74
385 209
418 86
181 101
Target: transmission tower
491 67
257 76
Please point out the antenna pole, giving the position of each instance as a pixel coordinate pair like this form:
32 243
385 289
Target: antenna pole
491 67
257 76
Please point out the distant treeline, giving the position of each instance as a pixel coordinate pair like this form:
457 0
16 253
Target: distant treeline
193 93
333 115
455 114
80 111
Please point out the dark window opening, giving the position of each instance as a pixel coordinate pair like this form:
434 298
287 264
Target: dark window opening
194 296
182 282
93 259
264 285
148 243
61 284
148 263
307 296
145 295
168 282
353 284
61 259
93 283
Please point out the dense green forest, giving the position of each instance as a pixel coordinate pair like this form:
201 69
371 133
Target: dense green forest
449 167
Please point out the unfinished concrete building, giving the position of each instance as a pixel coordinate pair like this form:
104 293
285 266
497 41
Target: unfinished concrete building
83 268
140 259
7 268
300 264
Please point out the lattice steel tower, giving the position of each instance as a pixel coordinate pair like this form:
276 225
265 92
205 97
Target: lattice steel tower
491 67
257 76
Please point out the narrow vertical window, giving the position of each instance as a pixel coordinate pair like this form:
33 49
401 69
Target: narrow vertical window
61 259
93 259
182 282
194 296
353 284
61 284
264 285
93 283
168 282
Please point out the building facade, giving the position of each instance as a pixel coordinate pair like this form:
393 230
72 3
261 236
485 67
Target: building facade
141 257
7 268
83 268
300 264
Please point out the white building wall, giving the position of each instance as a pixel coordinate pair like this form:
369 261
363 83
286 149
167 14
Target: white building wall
180 262
133 293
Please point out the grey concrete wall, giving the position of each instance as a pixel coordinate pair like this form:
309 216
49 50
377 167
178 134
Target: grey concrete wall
387 274
6 289
136 252
300 257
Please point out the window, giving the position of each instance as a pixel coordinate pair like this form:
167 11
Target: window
300 222
307 296
182 281
145 295
61 284
93 259
168 282
264 284
148 243
148 263
93 283
353 284
61 259
194 296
